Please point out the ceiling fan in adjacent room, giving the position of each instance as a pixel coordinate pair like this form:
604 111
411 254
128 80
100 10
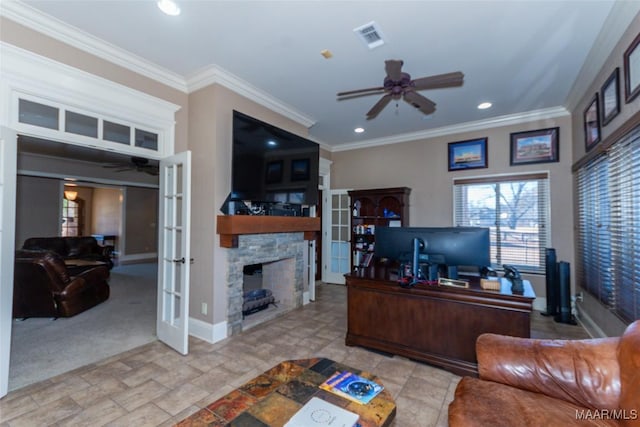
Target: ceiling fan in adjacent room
398 85
138 164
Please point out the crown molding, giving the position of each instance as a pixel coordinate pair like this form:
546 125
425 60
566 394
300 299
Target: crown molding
214 74
510 119
54 28
51 27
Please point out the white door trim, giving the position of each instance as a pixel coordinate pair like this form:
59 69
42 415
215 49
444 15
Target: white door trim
8 160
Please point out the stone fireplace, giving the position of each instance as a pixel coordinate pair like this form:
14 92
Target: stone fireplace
282 259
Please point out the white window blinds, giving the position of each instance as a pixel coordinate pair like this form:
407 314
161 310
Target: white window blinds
608 264
516 210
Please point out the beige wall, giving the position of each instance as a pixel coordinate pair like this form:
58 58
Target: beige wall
210 131
107 211
591 309
613 60
140 221
38 208
86 195
423 167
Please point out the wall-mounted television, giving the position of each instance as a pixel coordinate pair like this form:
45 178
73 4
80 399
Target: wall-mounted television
272 166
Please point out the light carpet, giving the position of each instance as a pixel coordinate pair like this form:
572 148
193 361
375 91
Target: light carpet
42 347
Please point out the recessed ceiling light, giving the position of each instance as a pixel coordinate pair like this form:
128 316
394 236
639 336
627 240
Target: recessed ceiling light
271 143
484 106
358 130
169 7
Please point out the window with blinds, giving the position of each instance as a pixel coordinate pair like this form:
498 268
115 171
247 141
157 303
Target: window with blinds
608 237
516 210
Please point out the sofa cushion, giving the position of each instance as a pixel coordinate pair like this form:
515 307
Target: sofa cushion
629 358
81 246
55 244
584 372
486 403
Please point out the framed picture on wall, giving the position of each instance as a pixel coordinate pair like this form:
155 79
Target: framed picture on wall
535 146
610 96
471 154
632 70
591 124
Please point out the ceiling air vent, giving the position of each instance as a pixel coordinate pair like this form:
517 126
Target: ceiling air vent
370 34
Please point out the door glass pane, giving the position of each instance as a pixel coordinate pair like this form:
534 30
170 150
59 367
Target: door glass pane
36 114
81 124
116 132
146 139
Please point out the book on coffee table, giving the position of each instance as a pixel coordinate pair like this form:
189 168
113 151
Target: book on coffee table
351 386
318 412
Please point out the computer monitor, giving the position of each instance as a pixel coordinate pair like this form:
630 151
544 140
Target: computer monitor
451 246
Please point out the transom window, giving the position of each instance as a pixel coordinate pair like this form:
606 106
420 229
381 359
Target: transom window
516 210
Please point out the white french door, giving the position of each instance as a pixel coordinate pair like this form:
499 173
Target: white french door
174 256
338 252
8 161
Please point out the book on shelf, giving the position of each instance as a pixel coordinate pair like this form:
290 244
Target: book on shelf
318 412
351 386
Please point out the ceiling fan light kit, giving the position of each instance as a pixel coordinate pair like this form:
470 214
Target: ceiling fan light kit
397 85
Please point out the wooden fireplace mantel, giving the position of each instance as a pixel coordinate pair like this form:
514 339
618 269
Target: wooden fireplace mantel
231 226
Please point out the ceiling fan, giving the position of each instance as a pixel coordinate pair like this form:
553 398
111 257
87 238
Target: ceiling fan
138 164
398 85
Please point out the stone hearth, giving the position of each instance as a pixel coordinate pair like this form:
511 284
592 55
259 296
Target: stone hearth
262 249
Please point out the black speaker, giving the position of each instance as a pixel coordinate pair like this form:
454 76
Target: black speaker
551 273
564 281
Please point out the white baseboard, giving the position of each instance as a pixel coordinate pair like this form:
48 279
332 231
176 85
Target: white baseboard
206 331
540 304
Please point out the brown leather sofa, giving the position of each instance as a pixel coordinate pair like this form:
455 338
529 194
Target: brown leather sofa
42 286
532 382
84 248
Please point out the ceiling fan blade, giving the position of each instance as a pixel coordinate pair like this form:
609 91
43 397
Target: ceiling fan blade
439 81
393 67
359 95
423 104
353 92
371 114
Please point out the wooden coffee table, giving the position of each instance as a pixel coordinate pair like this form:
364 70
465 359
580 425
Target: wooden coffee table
272 398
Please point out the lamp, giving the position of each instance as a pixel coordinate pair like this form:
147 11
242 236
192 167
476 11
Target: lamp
70 195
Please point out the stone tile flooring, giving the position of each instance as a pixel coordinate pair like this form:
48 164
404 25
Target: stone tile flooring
154 386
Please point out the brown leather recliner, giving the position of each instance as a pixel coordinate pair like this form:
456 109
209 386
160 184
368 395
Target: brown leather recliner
533 382
42 286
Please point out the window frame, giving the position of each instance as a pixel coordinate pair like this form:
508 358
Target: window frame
543 214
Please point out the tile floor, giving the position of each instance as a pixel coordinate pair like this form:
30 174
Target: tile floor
155 386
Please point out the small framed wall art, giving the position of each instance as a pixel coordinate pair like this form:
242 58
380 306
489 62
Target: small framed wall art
591 124
632 70
610 97
535 146
471 154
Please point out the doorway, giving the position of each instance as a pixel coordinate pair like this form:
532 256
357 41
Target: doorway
128 318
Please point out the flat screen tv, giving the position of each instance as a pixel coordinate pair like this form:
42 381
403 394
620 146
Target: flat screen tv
271 165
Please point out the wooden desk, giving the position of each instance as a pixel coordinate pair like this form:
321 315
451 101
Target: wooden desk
272 398
430 323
